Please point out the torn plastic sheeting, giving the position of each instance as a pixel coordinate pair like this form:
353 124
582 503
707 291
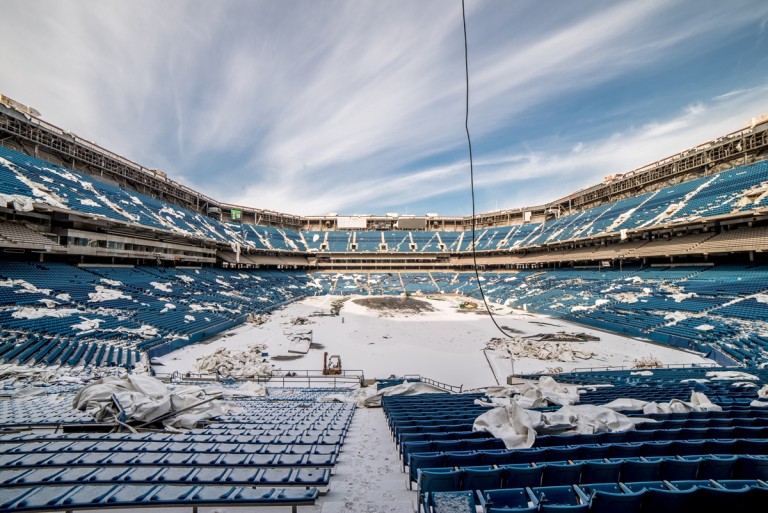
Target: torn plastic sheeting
744 384
371 398
517 427
763 392
27 312
27 393
698 402
731 375
625 404
545 392
247 389
19 202
40 375
145 399
512 424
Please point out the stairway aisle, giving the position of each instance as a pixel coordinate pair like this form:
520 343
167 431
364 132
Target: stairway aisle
368 478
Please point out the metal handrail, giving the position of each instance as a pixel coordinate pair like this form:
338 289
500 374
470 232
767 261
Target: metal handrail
456 389
664 366
309 377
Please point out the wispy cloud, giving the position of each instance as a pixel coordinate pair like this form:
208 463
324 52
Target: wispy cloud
309 106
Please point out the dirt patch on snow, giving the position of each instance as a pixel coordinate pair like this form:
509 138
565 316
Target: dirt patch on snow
391 305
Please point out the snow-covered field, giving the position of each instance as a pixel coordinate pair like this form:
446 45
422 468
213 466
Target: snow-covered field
446 344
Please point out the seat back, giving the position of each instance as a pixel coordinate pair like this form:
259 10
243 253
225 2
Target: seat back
751 467
600 471
640 469
610 498
507 499
482 479
522 476
556 474
680 469
661 500
717 467
439 480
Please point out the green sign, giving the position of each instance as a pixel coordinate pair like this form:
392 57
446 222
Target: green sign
236 214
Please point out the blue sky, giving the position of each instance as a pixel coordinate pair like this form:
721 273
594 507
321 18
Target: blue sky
357 107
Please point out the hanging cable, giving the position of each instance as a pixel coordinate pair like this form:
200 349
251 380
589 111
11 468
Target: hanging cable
472 175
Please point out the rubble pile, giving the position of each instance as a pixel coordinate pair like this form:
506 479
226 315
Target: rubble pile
518 347
257 319
236 363
647 362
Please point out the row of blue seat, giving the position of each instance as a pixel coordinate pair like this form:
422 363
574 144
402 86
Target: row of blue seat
647 497
287 447
651 433
584 452
69 498
626 443
306 477
612 470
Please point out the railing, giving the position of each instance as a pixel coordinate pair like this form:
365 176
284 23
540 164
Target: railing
455 389
624 367
313 378
282 378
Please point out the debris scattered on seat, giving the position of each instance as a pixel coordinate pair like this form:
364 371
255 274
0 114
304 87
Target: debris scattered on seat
731 375
517 427
531 394
698 402
647 362
144 400
369 397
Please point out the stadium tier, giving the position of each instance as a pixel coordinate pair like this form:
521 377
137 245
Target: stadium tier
56 313
27 181
678 460
96 313
278 450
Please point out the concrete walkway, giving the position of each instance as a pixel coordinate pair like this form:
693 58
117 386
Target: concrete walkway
368 478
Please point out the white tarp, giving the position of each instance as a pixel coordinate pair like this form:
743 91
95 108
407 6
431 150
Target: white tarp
28 312
104 294
146 399
517 427
12 372
371 398
247 389
731 375
698 402
529 394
